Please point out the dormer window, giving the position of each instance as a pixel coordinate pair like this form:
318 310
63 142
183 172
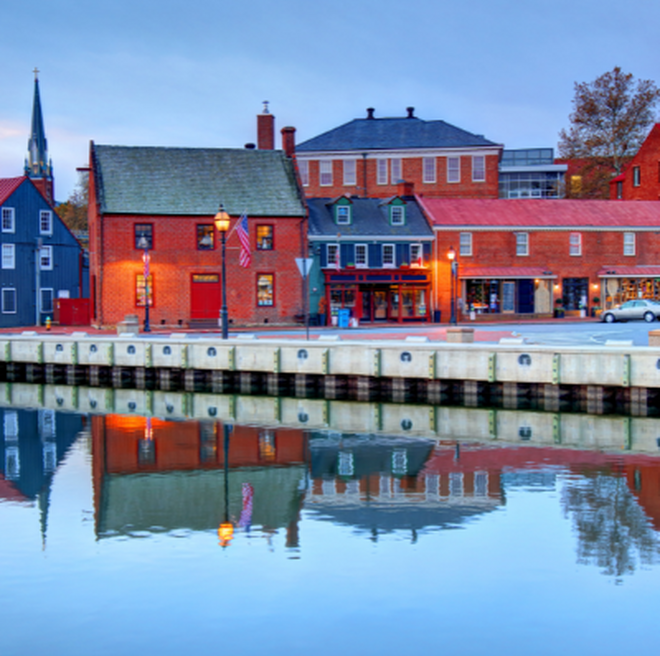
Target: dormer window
343 211
398 215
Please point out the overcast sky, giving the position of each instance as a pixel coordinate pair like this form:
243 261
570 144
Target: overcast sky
195 72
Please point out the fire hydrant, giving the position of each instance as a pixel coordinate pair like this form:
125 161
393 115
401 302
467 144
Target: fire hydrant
48 323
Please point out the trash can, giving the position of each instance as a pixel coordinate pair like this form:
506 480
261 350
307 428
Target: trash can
343 317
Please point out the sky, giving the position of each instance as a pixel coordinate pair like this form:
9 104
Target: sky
196 72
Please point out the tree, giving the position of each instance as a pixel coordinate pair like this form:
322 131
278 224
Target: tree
611 117
74 210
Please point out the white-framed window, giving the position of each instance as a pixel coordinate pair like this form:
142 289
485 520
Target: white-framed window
416 255
46 299
522 243
478 168
395 170
453 169
8 256
10 425
333 255
8 300
388 255
575 243
381 171
8 219
45 222
628 243
361 256
637 176
325 172
397 215
428 164
350 175
46 258
303 169
343 214
465 244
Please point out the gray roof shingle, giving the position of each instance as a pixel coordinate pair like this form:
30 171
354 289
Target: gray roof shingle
193 181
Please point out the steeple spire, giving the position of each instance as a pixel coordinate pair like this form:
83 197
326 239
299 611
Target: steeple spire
37 165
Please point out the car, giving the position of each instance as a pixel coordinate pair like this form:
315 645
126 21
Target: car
647 309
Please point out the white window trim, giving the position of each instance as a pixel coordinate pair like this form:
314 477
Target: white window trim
396 209
336 260
381 171
396 169
303 169
350 172
42 215
392 264
575 244
520 236
42 253
365 264
428 179
8 256
42 305
10 214
637 176
325 168
629 244
415 253
457 171
483 168
343 219
465 248
9 289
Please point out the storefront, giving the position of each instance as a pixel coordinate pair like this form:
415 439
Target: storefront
373 296
620 284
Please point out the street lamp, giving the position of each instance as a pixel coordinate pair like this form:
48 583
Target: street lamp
451 256
143 243
222 226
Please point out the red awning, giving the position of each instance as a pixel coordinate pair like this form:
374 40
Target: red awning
510 273
630 272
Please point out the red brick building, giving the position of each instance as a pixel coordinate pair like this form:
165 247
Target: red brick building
520 257
369 157
641 179
169 197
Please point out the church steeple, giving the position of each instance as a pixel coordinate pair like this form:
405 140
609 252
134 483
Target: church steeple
37 165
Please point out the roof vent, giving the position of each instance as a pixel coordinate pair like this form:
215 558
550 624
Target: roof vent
370 112
411 112
250 146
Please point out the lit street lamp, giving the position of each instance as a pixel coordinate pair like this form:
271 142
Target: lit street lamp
143 243
222 226
451 256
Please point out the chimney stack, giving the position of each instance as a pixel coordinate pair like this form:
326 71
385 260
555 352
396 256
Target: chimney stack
370 112
289 141
405 188
265 129
411 112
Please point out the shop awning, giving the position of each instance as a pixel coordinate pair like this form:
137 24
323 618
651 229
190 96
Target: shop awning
630 272
508 273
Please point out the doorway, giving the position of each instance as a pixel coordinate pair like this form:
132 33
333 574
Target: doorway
205 296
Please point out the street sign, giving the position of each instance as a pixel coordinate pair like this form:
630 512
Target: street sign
304 265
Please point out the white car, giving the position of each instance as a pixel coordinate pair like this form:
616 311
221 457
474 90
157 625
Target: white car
649 310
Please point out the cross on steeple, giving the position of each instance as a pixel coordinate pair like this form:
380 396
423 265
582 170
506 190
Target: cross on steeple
36 73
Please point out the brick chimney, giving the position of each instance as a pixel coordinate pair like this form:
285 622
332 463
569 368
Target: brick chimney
265 129
289 141
405 188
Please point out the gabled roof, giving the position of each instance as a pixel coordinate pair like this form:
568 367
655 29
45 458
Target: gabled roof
194 181
8 186
544 214
369 217
393 134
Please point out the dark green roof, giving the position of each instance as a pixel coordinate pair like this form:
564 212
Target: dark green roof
194 181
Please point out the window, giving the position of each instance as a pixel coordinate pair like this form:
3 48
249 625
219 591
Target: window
388 255
522 243
8 256
343 214
453 169
333 255
141 292
381 171
416 255
45 222
264 237
619 190
429 169
145 230
576 185
628 243
637 176
265 289
325 173
465 244
350 176
303 168
205 237
361 257
575 243
478 168
397 215
8 300
46 258
46 299
8 219
395 170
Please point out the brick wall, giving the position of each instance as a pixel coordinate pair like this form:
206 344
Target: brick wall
647 161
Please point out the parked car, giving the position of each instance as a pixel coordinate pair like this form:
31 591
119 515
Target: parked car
648 310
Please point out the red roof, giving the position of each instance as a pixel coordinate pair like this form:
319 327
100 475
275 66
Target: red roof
544 214
505 272
8 186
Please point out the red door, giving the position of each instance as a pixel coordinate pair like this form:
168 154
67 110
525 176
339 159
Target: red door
205 296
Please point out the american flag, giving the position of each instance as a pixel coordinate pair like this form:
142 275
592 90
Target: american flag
245 258
246 512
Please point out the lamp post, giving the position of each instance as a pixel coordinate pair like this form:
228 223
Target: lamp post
451 256
143 243
226 528
222 226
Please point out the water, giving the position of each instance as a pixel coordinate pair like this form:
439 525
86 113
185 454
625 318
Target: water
351 543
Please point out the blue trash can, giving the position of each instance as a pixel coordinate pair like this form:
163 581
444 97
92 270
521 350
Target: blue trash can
343 316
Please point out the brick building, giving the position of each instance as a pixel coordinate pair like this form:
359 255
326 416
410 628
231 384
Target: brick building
170 196
368 157
641 178
520 257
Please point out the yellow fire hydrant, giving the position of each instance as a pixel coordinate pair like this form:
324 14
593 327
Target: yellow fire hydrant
48 323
